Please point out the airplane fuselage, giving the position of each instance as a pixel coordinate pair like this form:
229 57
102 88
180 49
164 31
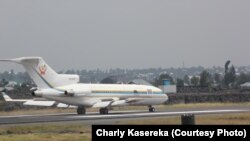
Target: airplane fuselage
126 94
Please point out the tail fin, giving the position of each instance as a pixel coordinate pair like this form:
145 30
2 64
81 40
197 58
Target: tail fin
42 74
6 97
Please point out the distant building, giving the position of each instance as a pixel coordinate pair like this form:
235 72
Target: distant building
245 85
167 87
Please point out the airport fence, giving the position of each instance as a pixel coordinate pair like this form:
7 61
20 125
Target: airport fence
208 97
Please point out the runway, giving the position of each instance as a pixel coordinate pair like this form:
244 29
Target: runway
96 118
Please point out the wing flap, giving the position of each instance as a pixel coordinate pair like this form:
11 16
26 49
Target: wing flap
119 103
101 104
62 105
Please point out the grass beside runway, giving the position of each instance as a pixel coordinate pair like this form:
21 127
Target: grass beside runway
46 132
45 137
77 131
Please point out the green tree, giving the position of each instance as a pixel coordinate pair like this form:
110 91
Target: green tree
180 82
226 66
3 82
232 73
107 80
205 78
242 78
186 79
217 78
159 81
194 81
230 77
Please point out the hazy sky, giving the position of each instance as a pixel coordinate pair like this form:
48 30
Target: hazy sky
126 34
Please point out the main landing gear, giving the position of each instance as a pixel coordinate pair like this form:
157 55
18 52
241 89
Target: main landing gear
81 110
151 108
104 111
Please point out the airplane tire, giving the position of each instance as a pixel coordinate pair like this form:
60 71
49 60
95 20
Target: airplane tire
151 109
81 111
104 111
101 111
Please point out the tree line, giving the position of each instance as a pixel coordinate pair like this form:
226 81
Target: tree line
226 76
205 79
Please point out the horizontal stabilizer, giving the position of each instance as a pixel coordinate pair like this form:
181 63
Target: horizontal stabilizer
36 102
8 99
40 103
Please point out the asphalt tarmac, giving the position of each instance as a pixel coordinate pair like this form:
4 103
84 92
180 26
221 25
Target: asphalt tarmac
96 118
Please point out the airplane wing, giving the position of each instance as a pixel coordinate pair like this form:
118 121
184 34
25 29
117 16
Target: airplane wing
115 102
36 102
39 103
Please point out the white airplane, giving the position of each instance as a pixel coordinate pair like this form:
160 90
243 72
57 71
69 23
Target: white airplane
65 91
